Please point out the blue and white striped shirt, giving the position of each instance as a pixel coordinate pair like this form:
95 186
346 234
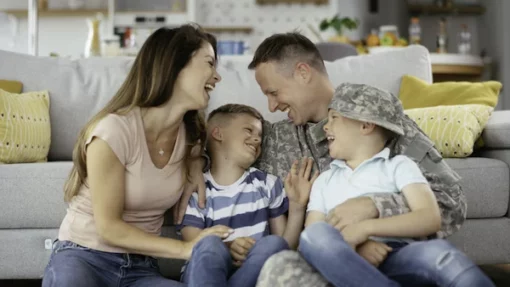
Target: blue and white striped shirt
246 205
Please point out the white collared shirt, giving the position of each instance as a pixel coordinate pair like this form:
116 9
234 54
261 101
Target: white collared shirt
377 174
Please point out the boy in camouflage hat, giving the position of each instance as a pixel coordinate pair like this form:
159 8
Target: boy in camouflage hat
361 122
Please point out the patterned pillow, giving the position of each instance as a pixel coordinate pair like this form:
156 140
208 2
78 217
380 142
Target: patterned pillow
25 132
453 129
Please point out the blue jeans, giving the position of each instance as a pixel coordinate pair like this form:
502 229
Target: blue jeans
434 262
211 264
74 265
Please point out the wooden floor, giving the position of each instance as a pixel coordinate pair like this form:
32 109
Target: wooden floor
500 274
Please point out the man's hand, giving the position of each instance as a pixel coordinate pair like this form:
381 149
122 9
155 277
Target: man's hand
298 184
352 211
239 249
374 252
355 234
197 184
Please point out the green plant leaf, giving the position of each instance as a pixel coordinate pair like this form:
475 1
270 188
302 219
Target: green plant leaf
349 23
337 25
324 25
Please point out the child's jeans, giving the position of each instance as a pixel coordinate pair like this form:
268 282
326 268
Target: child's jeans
74 265
211 263
434 262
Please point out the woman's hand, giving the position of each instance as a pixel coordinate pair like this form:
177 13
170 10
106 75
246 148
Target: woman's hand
298 184
219 230
197 184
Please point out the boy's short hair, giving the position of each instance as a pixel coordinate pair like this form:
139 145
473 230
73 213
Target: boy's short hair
231 110
287 49
226 113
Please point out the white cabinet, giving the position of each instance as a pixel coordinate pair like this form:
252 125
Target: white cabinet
151 13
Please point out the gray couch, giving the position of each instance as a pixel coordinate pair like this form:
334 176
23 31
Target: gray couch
32 206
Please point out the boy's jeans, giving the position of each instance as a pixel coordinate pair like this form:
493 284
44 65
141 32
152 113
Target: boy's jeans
211 263
434 262
74 265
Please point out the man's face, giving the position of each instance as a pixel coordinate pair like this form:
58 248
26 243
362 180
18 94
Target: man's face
242 138
287 93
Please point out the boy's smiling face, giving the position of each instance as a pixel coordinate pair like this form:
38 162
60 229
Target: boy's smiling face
242 139
343 135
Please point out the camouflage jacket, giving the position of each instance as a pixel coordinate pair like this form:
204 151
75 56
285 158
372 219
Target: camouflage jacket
284 142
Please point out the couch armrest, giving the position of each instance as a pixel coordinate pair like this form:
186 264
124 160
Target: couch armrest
496 134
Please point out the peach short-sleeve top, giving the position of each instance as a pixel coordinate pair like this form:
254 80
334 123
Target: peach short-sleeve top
149 191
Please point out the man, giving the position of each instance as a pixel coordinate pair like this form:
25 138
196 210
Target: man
292 75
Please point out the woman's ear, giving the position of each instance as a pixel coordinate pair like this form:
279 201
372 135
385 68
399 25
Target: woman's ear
217 134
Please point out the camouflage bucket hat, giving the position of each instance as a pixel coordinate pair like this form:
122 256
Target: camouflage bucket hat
369 104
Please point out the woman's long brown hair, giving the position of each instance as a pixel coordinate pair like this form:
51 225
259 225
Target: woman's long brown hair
149 83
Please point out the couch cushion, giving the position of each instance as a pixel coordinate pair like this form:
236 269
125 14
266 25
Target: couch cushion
32 194
24 255
485 183
484 241
497 131
383 70
78 89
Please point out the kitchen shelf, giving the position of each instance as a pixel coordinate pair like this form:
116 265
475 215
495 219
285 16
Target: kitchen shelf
131 12
57 12
272 2
217 29
457 69
454 9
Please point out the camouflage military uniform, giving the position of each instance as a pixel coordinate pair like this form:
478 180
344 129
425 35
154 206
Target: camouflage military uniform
283 143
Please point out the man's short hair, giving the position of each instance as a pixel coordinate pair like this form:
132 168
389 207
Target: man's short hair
288 49
231 110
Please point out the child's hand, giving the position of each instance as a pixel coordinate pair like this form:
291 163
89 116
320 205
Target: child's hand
218 230
354 234
298 183
239 249
374 252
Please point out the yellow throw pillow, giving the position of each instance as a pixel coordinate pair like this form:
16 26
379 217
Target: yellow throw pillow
25 133
11 86
416 93
453 129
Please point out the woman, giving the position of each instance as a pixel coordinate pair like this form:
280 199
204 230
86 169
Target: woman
131 163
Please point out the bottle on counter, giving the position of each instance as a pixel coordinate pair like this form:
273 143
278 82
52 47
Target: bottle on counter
442 38
464 46
415 31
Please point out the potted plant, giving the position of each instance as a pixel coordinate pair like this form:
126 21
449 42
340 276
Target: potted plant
338 24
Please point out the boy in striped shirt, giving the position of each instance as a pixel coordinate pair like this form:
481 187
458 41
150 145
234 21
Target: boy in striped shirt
253 203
